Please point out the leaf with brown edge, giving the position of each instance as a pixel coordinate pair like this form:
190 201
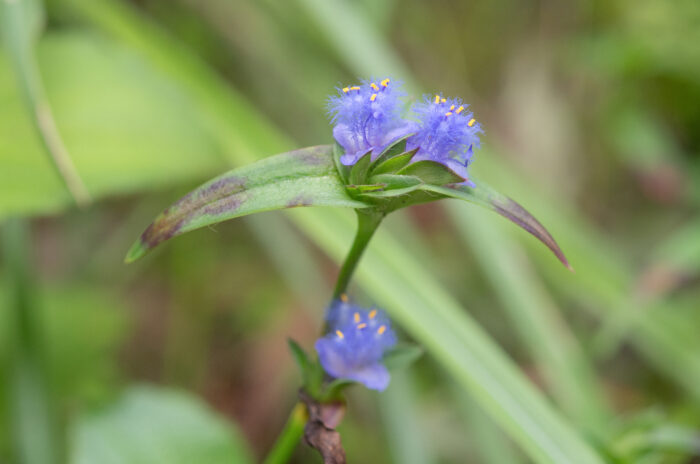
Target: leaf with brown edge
489 198
304 177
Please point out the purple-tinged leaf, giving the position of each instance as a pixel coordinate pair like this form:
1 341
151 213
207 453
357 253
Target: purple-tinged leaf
486 196
304 177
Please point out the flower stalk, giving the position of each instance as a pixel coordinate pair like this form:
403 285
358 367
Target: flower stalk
367 223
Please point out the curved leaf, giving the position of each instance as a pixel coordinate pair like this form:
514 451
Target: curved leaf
486 196
304 177
157 425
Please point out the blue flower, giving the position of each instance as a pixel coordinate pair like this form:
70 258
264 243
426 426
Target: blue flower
447 133
367 118
356 343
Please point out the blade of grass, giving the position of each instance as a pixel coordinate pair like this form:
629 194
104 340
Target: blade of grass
489 443
535 317
402 421
29 398
18 17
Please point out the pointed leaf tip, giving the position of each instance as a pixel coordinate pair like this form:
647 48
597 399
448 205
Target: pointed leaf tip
304 177
487 197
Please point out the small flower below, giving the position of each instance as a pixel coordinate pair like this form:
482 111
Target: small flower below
367 117
447 133
355 345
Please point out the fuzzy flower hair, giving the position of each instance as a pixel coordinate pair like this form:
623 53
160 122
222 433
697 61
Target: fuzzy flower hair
367 117
447 133
355 345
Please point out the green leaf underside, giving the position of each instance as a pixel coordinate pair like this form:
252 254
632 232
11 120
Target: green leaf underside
393 164
304 177
487 197
431 172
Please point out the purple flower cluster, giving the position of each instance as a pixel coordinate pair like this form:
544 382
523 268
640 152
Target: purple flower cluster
355 345
447 133
368 117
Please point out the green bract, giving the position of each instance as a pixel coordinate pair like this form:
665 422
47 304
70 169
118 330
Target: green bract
314 176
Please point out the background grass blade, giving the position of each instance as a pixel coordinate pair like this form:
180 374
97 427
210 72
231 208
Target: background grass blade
21 21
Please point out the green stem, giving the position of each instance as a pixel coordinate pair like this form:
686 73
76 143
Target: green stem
29 400
290 436
367 223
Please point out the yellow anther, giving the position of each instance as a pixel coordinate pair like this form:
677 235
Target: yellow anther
459 110
471 122
449 113
452 107
361 326
354 87
373 97
385 82
437 98
357 317
443 100
344 297
339 334
346 89
381 330
374 86
373 314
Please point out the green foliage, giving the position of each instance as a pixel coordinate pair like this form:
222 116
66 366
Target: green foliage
304 177
138 135
152 425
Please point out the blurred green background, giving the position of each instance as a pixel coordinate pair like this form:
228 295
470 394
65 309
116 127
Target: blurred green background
591 112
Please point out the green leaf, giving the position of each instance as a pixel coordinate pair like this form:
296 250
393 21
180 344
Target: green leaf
431 172
299 355
358 172
392 165
485 196
402 356
395 181
152 425
304 177
342 169
396 148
